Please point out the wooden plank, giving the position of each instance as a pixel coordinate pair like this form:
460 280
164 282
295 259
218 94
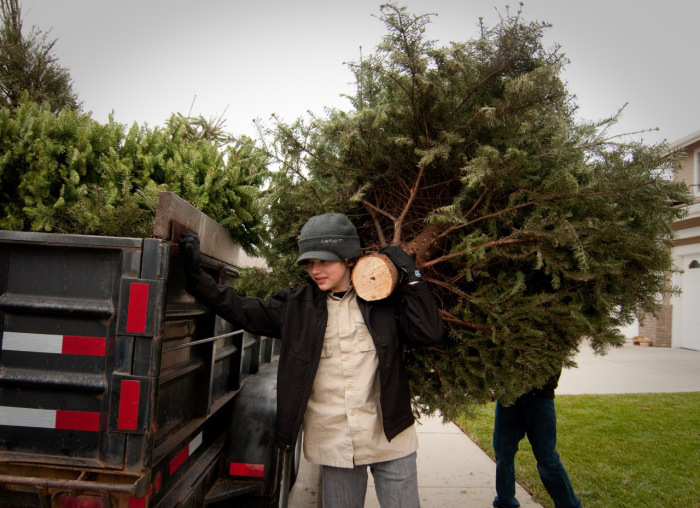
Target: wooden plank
175 215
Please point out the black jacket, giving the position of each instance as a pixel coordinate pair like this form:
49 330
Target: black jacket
546 391
298 317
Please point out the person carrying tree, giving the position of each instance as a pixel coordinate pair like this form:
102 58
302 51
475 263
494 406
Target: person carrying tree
532 414
340 373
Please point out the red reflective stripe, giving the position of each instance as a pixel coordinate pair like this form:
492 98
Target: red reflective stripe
77 420
80 345
138 307
129 405
179 459
65 500
241 469
138 502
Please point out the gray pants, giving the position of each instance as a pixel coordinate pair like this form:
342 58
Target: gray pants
395 481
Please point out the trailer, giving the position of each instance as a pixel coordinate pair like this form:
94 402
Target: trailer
118 389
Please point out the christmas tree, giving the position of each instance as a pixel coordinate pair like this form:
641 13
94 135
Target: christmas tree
536 231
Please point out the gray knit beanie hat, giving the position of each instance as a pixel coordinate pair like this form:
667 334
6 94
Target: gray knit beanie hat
328 237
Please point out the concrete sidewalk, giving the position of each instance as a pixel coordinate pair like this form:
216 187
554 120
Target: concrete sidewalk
454 472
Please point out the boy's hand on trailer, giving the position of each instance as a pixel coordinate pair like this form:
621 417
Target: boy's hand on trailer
191 259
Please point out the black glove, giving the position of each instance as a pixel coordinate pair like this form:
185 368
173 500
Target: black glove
191 259
405 263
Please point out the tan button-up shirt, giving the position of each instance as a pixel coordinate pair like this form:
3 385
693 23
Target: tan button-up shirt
343 423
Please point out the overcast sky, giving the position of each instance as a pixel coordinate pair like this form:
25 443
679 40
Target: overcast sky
145 59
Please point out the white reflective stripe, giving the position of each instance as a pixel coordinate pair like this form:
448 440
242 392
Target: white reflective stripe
194 444
32 342
28 417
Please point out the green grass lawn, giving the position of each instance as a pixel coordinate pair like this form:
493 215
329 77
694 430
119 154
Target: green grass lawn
638 450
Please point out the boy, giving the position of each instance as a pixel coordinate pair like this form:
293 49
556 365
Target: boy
340 374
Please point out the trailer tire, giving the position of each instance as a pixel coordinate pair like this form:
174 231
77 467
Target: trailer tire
296 461
252 433
280 497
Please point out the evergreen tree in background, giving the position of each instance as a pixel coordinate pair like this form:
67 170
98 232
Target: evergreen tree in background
28 67
535 231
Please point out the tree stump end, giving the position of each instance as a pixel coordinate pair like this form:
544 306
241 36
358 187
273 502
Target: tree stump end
374 277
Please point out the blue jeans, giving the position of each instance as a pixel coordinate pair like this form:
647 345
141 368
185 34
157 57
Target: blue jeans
536 418
395 481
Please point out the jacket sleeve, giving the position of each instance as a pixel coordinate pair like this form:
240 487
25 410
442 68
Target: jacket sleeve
254 315
419 317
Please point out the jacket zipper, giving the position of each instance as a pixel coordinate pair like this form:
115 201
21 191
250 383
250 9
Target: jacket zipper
298 416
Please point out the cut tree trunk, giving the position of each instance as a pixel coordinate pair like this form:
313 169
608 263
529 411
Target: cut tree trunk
374 277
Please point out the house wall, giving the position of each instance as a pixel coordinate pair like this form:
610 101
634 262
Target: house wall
690 168
666 328
659 329
686 172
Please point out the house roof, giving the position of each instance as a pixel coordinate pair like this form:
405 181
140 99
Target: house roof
686 141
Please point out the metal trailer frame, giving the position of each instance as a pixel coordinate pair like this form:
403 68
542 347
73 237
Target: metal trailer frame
116 383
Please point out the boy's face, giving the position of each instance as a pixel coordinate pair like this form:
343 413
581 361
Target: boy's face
330 275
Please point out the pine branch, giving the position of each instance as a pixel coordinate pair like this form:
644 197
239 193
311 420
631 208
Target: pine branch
450 318
370 206
377 225
489 245
412 197
456 227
